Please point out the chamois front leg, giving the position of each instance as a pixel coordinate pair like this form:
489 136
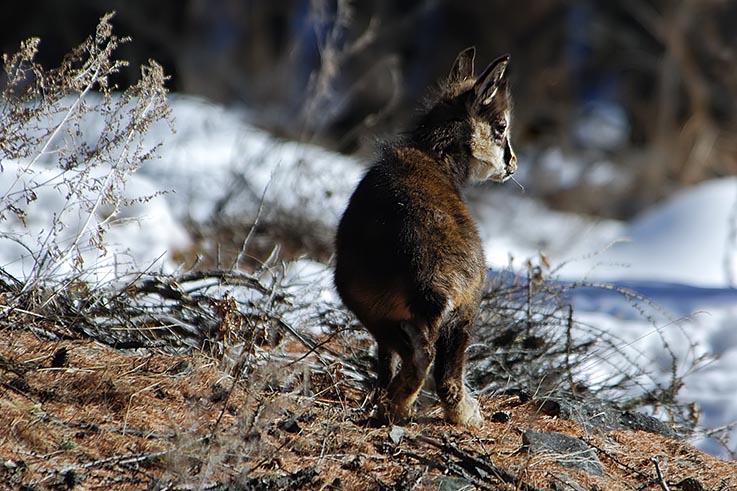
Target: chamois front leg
459 407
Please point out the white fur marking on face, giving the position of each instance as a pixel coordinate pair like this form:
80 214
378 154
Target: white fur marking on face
488 158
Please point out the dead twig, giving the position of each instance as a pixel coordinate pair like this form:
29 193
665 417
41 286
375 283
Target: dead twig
448 466
116 460
252 230
590 442
661 479
485 470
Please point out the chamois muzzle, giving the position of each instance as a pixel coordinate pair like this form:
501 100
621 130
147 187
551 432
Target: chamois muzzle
510 160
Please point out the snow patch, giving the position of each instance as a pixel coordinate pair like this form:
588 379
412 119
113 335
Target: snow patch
689 239
144 235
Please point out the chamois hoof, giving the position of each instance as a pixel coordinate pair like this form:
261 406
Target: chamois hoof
389 413
467 413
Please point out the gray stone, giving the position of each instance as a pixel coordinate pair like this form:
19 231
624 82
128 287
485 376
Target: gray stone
447 483
396 433
633 420
593 414
568 451
501 416
566 483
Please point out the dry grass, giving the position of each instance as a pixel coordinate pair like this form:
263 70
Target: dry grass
109 420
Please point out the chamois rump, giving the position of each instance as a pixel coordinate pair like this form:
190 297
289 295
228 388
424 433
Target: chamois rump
409 260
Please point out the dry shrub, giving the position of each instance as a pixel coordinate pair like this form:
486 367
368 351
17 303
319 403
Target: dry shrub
43 114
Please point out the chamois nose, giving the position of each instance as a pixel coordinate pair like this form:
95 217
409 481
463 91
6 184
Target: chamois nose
510 158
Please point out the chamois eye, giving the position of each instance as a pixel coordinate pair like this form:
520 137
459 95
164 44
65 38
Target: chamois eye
500 127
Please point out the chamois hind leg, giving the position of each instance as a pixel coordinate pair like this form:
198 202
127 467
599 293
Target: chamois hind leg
386 364
417 351
459 407
387 361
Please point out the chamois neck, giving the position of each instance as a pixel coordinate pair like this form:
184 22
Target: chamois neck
445 145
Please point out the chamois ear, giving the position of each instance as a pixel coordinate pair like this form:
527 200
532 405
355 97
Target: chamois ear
490 81
463 66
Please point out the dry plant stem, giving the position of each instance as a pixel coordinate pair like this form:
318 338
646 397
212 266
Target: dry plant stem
131 458
34 96
333 55
590 442
52 137
252 230
731 245
240 369
446 468
393 68
569 345
661 479
471 463
98 200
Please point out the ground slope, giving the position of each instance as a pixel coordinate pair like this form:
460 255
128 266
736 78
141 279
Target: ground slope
80 415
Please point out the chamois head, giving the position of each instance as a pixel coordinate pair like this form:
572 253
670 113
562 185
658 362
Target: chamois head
470 121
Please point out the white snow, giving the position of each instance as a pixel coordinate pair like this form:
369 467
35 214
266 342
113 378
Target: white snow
681 252
138 238
214 153
690 239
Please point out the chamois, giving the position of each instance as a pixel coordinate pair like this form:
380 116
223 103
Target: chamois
409 260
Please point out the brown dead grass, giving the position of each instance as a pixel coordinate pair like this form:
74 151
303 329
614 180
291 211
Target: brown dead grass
108 420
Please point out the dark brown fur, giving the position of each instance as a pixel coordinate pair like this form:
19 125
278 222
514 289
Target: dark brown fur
409 260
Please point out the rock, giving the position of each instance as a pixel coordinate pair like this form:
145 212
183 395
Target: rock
60 358
633 420
566 483
593 415
290 426
219 392
354 463
182 367
396 433
568 451
554 408
690 484
447 483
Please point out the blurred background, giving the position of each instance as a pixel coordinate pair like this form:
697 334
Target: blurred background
618 104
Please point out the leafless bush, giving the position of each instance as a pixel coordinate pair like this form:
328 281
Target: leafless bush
83 173
225 312
529 339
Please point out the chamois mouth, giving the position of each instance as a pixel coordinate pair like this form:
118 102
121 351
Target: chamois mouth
498 177
509 170
504 177
483 170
